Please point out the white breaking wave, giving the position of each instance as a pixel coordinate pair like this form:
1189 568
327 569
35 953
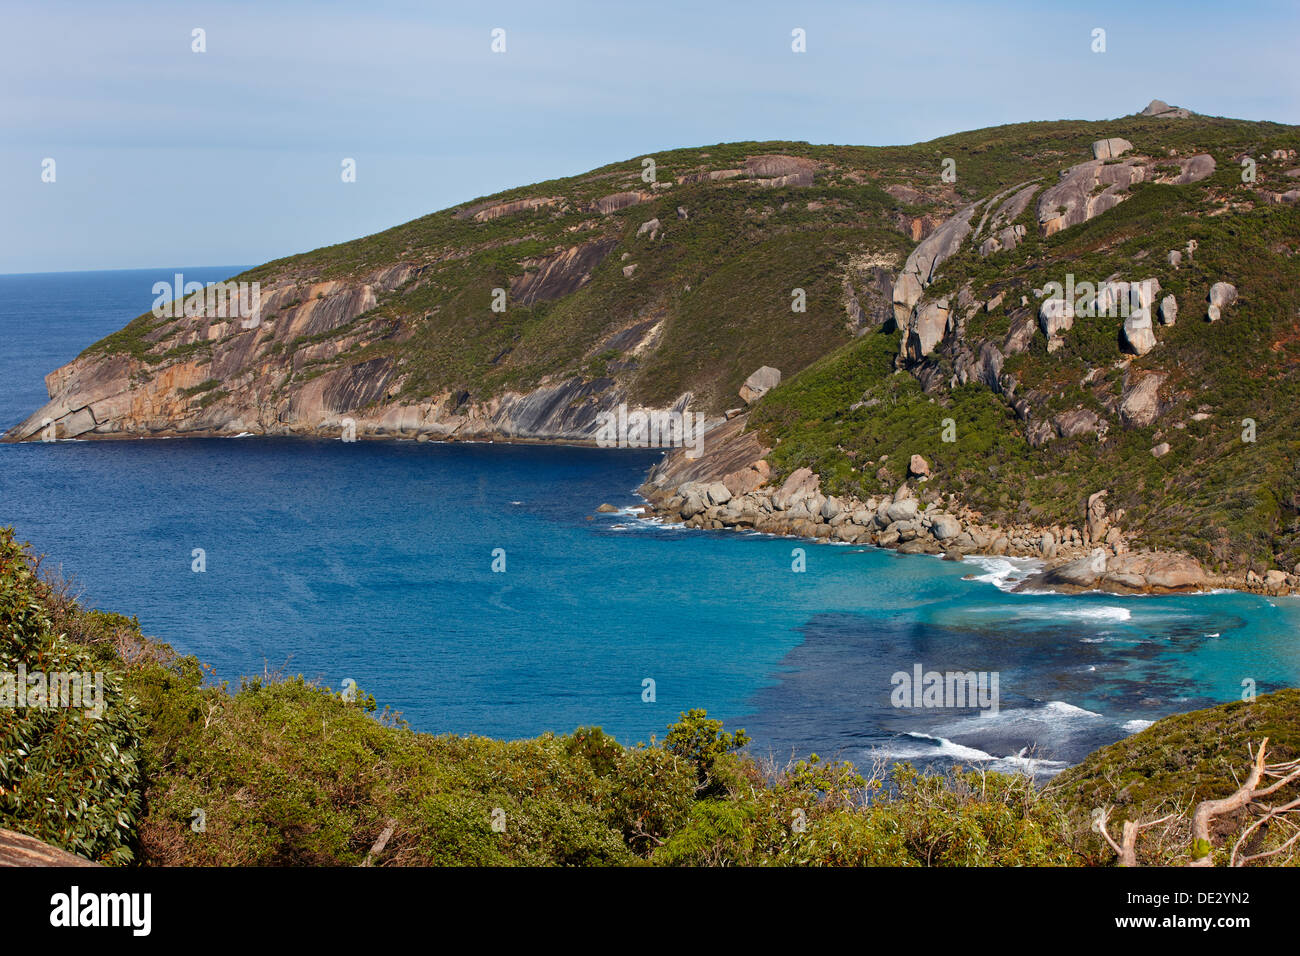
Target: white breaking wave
1133 726
1003 573
943 747
1061 708
1095 613
930 746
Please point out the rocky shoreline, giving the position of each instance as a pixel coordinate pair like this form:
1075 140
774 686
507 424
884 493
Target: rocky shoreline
1095 555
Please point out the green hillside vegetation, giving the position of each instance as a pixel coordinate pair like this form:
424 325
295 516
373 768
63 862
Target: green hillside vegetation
286 772
710 301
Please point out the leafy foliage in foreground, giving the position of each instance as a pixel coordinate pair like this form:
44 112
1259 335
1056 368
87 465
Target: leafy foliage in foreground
284 772
67 777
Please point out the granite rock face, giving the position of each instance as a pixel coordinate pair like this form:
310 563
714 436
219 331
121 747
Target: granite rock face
1150 572
758 384
1162 110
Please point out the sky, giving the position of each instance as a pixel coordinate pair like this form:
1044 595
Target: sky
164 156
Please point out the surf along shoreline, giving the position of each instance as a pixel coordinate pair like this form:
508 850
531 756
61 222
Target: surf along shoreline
731 487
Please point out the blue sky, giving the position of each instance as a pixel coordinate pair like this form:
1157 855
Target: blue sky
169 157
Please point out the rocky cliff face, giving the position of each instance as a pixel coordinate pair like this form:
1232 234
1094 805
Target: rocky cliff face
521 318
1079 306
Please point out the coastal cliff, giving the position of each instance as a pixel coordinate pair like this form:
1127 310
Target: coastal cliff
1047 315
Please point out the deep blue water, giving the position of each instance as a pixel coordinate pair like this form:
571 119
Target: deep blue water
373 561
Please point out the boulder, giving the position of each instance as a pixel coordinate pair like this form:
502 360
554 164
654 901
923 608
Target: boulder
1167 572
744 480
1095 516
1139 337
1140 404
1078 421
616 201
903 510
1047 544
760 383
925 329
1175 258
918 467
1161 450
718 493
693 505
1039 433
801 483
1162 110
78 423
1145 571
1222 295
651 227
1056 316
944 527
1193 169
1168 310
1111 148
1086 191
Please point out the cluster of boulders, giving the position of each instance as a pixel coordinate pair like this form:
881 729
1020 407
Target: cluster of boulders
1137 334
914 520
901 520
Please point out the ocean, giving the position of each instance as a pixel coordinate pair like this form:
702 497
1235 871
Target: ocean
374 562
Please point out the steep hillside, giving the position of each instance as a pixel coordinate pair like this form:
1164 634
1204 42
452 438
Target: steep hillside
615 289
912 305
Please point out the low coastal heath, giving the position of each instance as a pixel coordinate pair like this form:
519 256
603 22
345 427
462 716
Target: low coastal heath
953 689
81 689
655 428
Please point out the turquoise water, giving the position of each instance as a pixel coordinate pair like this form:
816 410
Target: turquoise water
372 561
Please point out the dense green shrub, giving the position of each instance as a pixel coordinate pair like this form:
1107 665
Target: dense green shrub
68 775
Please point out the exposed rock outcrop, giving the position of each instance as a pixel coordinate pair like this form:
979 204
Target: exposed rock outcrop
18 849
925 329
1168 310
1221 295
1162 110
487 211
1139 336
1112 148
555 276
919 269
1143 571
759 383
616 201
1091 188
1140 405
